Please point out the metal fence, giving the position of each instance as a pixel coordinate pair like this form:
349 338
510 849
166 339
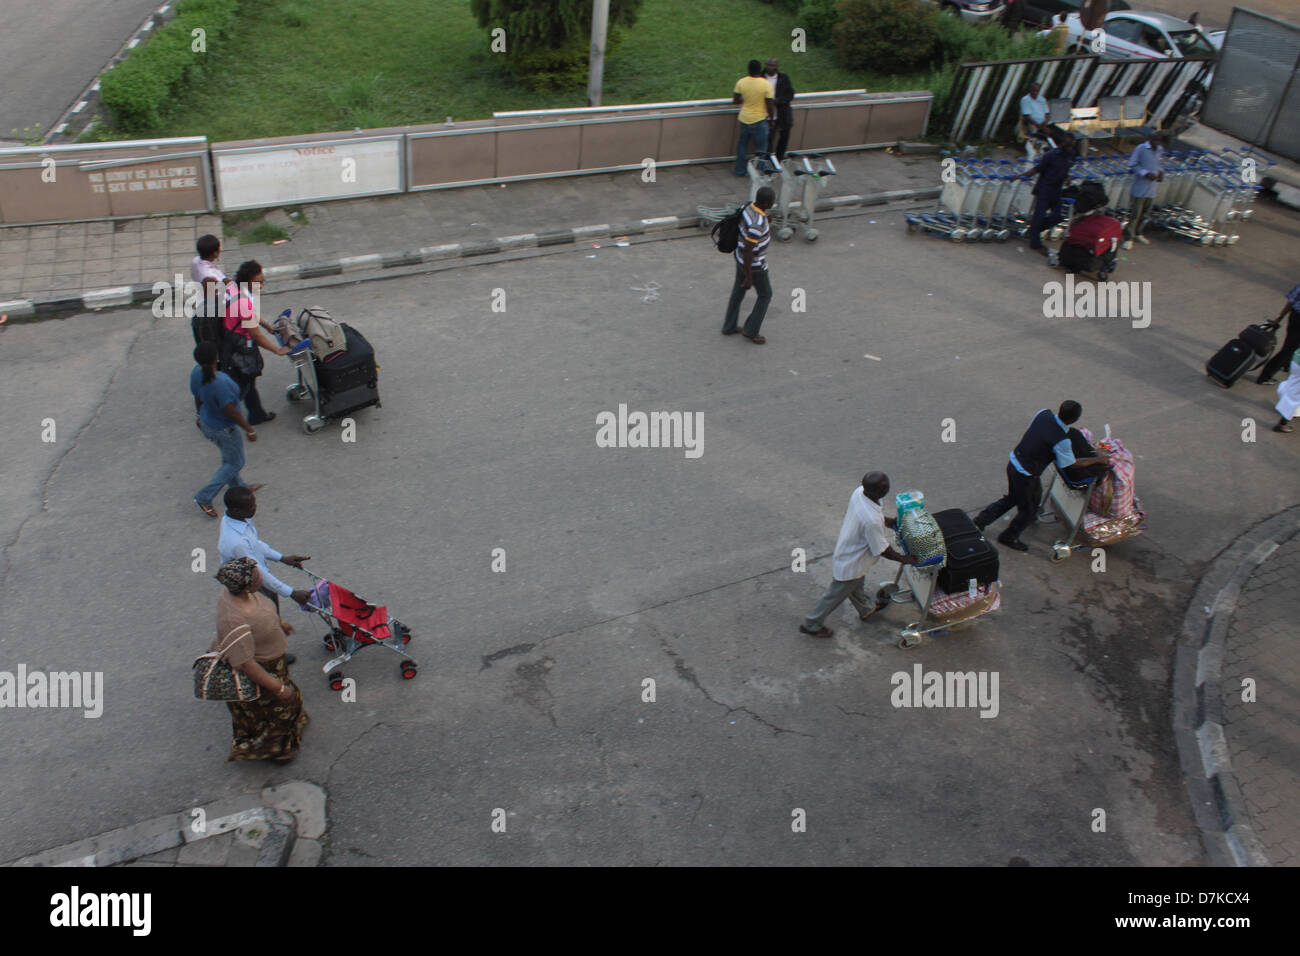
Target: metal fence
1255 95
983 104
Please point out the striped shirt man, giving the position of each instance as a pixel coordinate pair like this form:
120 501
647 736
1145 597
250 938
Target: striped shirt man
756 234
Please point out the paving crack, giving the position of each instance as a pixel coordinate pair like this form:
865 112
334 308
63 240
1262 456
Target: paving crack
686 673
489 659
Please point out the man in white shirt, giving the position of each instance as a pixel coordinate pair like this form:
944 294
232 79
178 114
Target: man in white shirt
863 538
1033 119
239 540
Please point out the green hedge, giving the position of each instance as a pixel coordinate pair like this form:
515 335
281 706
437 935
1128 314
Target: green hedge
138 89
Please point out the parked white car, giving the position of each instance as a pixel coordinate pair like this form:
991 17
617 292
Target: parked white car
1132 33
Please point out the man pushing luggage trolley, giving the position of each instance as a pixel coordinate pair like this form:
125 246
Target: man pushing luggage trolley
1047 438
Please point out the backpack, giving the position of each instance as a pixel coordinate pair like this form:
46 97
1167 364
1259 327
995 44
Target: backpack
726 234
327 338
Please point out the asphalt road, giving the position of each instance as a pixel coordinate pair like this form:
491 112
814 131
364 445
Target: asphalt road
52 50
627 564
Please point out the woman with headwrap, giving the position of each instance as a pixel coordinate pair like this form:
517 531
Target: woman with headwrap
255 640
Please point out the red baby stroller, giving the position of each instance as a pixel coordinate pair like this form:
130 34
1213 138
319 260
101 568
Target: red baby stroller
355 623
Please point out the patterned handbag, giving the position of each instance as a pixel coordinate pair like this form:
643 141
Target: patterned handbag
922 537
215 679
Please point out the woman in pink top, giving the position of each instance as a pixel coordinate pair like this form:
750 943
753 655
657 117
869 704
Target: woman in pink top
245 332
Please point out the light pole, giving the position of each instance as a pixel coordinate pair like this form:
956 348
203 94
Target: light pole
599 27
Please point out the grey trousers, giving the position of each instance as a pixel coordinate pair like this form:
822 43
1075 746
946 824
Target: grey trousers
834 597
1141 206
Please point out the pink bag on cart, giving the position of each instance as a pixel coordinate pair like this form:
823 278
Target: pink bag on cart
1114 496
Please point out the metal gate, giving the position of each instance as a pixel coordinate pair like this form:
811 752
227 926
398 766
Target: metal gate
1255 94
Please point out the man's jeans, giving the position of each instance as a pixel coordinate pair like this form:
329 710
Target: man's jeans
232 461
762 287
755 133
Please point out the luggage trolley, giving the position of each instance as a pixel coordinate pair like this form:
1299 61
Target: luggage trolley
939 611
327 406
1068 501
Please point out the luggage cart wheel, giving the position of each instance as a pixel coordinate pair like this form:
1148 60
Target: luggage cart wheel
312 424
911 226
336 680
296 392
811 235
1103 275
1060 552
785 233
910 637
408 670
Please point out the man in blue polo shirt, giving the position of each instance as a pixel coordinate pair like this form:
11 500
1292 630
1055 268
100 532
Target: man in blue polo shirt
1046 438
1145 164
1053 169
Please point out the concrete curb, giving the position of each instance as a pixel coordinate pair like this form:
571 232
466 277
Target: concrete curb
1217 800
658 227
292 815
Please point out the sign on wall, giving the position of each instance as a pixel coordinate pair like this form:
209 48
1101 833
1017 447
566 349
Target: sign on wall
306 172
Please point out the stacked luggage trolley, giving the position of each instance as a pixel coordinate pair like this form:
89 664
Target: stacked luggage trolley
1201 198
955 579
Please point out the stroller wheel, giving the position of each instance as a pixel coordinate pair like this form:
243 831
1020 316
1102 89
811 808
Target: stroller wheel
406 638
408 670
329 643
336 680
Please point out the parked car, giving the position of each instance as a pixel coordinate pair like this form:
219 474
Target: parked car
972 11
1154 36
1039 13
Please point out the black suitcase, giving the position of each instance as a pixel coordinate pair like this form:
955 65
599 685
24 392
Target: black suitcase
349 380
1261 338
970 554
1232 362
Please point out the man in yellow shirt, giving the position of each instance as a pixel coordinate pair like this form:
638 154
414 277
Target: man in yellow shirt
754 95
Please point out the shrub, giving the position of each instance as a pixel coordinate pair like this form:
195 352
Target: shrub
790 5
548 41
885 36
818 17
962 42
138 90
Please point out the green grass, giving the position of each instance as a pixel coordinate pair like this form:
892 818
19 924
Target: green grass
299 68
262 232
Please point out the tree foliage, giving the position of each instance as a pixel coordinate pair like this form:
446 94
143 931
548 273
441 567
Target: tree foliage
548 24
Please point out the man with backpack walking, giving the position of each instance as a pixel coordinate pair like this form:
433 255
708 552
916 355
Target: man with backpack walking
746 234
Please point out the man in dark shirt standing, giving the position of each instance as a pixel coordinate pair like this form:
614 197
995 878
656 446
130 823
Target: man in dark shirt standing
1053 169
784 95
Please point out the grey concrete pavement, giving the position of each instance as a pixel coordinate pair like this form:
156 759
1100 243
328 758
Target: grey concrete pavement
53 49
628 564
1261 722
65 261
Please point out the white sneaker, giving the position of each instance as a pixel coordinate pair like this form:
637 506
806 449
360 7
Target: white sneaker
1128 244
1144 240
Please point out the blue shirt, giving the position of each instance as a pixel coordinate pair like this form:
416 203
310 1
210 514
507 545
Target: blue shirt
238 539
214 396
1293 297
1062 450
1053 168
1035 109
1145 159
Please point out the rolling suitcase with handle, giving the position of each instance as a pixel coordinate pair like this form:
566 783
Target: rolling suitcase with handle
1250 349
970 554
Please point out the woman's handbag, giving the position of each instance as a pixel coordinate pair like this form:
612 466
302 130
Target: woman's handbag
240 354
215 679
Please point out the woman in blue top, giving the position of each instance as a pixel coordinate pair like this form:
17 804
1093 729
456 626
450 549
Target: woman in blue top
216 399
